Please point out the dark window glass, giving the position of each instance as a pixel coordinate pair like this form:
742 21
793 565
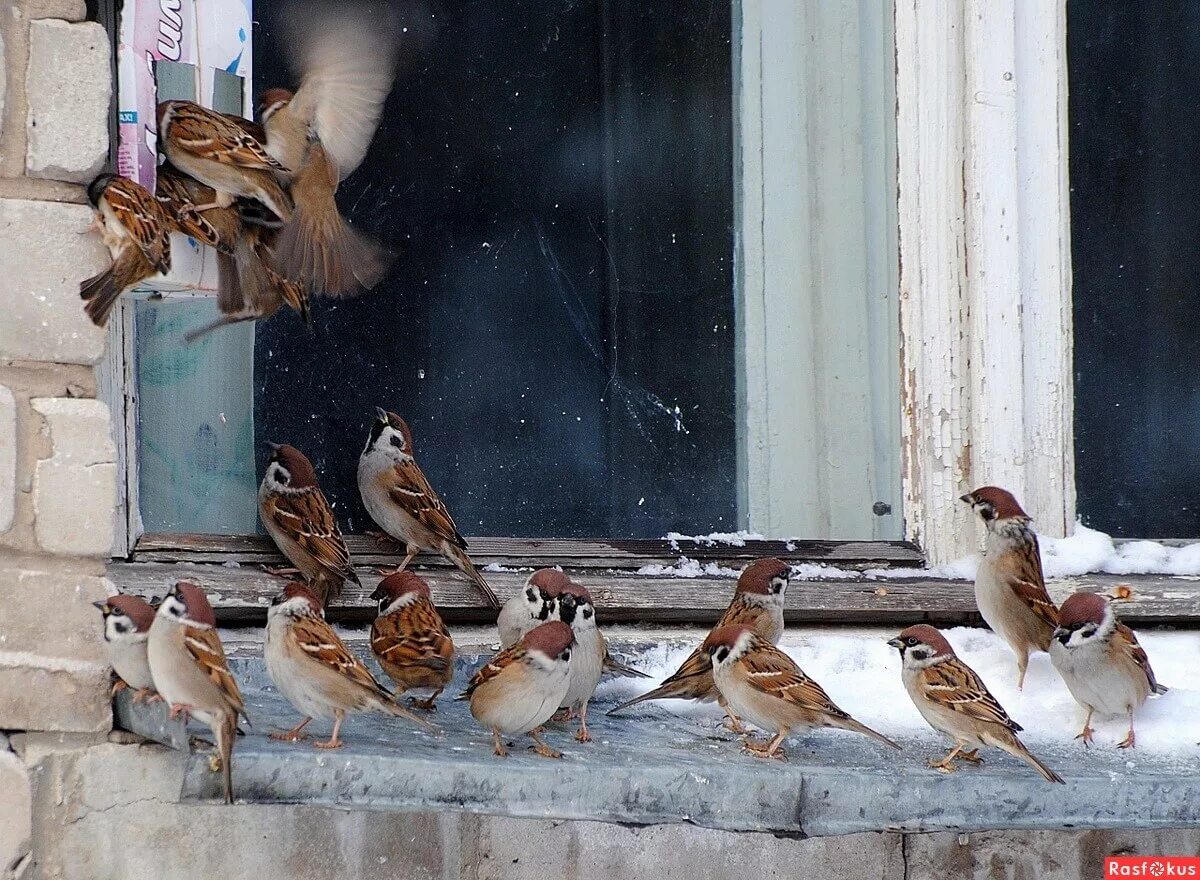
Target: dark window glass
558 329
1135 239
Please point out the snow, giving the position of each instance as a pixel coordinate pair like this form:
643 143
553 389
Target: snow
712 539
862 675
688 568
1085 552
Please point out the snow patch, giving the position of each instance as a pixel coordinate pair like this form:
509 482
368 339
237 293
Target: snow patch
712 539
688 568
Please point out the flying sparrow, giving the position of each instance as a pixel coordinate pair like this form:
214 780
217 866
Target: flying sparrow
316 672
321 133
1105 668
533 606
137 234
409 639
188 665
522 687
955 701
248 285
763 685
404 504
591 658
301 522
127 622
222 152
758 604
1009 588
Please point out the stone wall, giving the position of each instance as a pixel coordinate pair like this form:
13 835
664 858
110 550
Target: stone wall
57 461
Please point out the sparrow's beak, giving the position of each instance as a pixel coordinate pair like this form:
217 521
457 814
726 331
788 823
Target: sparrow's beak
967 499
102 605
381 414
378 593
274 447
896 643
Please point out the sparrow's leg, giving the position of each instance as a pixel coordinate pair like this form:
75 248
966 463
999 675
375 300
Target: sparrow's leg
118 686
285 572
426 705
582 734
408 557
946 765
292 735
562 716
1127 743
763 749
497 746
384 540
732 722
1086 733
178 709
1022 664
971 757
541 748
334 743
146 695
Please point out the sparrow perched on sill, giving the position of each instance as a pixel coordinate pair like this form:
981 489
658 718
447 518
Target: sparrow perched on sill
758 604
1105 668
320 134
1009 588
188 665
316 672
520 688
136 232
533 606
409 639
301 522
248 285
763 685
404 504
591 658
955 701
127 621
222 152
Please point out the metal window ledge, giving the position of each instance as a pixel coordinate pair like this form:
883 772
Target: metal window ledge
654 767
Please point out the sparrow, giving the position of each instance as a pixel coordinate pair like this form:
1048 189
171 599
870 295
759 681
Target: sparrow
522 687
320 134
534 605
591 658
301 522
188 665
248 285
316 672
1105 668
127 622
955 701
764 685
222 152
758 604
1009 588
137 233
409 639
400 499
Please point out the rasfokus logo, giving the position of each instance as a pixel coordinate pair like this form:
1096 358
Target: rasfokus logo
1151 866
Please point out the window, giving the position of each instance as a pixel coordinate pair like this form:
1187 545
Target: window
645 281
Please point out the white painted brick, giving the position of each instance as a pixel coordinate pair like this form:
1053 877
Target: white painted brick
67 87
50 613
75 489
8 456
45 256
53 693
16 813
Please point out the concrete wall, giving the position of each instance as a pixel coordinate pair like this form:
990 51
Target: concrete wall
57 470
106 811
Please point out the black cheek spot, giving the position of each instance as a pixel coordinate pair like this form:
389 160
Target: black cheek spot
398 442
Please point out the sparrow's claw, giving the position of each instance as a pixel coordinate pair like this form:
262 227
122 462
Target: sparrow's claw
180 709
545 751
329 744
1086 736
424 705
733 724
762 749
582 735
214 763
1128 742
945 765
145 695
118 686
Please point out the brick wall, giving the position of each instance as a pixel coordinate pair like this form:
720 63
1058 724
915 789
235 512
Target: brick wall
57 461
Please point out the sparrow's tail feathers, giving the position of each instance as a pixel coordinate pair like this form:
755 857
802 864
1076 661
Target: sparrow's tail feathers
663 692
859 727
226 732
388 704
99 293
459 557
1017 749
619 669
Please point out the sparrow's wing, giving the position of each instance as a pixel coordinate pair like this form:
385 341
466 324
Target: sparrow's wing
1023 573
308 520
772 672
143 218
348 63
493 668
205 647
218 138
177 193
413 636
955 685
1125 641
316 638
408 488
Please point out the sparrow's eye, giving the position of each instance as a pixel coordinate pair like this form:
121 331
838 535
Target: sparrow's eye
911 642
